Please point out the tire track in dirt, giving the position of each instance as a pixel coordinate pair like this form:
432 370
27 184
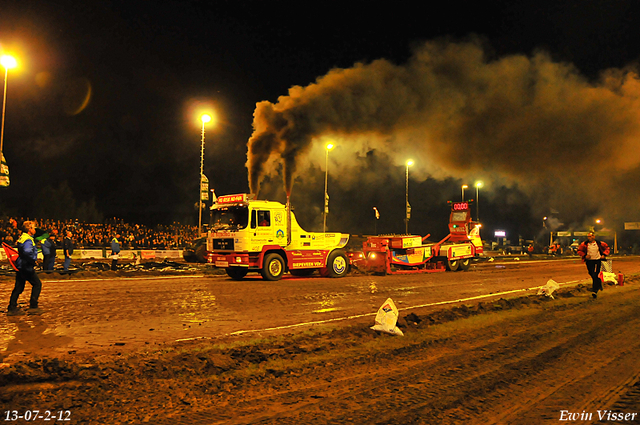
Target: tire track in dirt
628 401
458 386
519 365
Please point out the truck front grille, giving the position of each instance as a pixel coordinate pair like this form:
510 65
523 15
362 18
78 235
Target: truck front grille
223 244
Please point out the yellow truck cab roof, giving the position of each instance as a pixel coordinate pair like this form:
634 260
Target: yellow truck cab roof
300 238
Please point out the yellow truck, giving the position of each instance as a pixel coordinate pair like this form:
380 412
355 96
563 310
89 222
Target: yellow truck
248 235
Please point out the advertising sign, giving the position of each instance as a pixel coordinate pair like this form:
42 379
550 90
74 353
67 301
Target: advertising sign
204 188
232 199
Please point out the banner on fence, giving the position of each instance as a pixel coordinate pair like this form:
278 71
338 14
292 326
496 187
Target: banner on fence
99 254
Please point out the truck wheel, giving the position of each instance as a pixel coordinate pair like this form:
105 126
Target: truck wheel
272 267
201 254
189 256
337 264
464 264
237 273
452 265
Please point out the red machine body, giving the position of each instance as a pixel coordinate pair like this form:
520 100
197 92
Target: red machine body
396 254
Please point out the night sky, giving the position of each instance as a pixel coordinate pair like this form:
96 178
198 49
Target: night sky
539 100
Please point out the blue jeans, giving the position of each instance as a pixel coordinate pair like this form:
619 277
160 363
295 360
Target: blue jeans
67 262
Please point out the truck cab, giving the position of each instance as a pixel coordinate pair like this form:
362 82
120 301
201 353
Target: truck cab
264 236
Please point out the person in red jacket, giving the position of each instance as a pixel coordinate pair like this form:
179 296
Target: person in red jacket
593 252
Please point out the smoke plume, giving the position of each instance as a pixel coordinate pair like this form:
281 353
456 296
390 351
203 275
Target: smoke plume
521 118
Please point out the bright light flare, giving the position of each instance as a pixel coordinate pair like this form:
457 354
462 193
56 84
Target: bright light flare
479 184
8 61
205 118
409 162
330 146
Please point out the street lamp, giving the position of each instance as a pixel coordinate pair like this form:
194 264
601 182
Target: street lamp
544 224
478 186
205 119
464 186
600 222
375 227
328 147
407 206
8 62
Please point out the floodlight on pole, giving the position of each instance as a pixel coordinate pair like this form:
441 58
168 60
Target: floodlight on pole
478 186
464 186
8 62
205 118
408 164
328 147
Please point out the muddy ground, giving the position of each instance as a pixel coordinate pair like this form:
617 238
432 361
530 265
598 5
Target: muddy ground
521 359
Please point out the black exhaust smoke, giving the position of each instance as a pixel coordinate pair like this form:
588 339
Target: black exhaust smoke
523 119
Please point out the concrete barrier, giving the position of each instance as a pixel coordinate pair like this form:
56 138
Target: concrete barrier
104 253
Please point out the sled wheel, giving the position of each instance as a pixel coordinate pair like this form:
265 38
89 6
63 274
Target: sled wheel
337 264
452 265
237 273
464 264
272 267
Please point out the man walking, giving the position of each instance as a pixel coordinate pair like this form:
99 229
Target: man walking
25 263
115 252
67 248
593 252
49 252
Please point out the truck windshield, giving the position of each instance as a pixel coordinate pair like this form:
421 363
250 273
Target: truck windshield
229 218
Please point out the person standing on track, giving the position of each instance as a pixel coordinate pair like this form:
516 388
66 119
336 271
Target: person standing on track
25 263
49 253
115 252
593 252
67 248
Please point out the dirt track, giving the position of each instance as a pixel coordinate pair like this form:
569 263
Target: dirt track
106 351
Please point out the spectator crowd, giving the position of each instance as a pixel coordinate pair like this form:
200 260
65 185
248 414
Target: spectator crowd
86 235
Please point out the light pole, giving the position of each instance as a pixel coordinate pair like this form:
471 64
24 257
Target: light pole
464 186
328 147
600 222
544 224
375 227
478 186
8 62
407 206
205 119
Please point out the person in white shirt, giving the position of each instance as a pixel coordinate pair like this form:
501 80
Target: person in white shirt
593 252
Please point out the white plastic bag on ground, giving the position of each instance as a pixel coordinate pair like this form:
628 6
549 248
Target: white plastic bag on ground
387 318
610 277
549 288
